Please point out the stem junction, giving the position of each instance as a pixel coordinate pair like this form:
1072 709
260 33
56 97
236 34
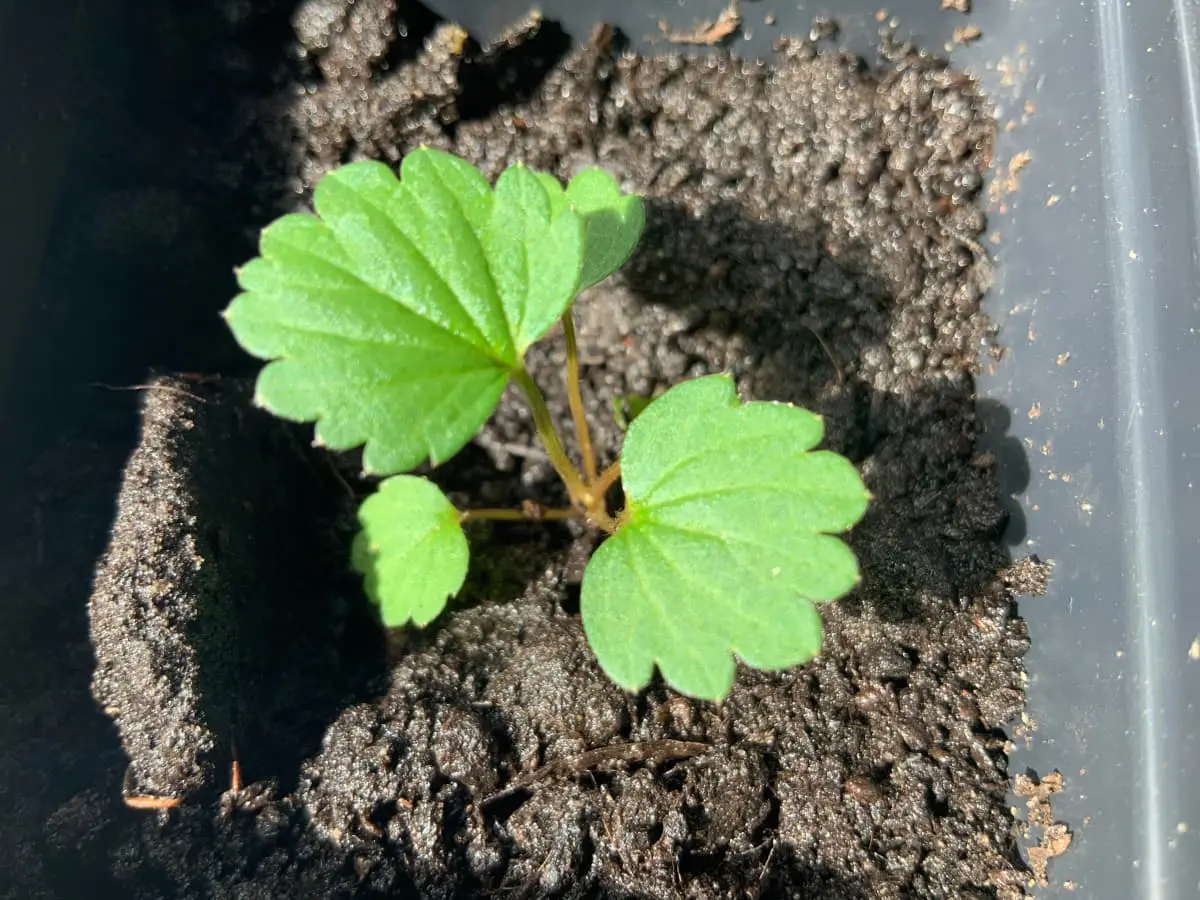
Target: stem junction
588 489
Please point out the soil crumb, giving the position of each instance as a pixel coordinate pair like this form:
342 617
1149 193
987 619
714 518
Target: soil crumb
1055 837
1028 577
813 229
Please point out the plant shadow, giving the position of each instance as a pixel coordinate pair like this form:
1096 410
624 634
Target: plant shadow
306 640
801 317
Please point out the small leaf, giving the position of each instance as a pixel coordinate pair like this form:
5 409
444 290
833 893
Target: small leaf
628 407
613 223
411 550
726 542
395 316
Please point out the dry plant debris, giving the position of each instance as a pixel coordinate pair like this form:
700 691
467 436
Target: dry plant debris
708 33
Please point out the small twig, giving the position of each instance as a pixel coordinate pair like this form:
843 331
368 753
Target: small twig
169 388
841 378
235 770
766 867
141 801
135 802
710 32
977 249
511 448
631 752
345 485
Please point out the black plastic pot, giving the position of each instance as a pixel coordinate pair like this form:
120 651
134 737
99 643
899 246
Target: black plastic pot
1096 298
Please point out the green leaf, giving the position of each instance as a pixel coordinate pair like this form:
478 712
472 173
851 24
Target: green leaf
628 407
536 254
613 223
411 550
395 316
726 542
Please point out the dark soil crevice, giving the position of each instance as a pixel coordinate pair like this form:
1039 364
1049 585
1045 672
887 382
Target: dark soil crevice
811 230
512 72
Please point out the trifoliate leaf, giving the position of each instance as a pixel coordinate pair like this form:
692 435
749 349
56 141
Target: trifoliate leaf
613 223
411 550
395 316
726 542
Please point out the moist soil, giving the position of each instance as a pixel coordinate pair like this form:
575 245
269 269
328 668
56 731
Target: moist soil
812 228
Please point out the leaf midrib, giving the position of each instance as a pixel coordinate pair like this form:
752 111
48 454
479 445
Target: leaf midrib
796 491
721 539
486 350
377 344
704 589
494 297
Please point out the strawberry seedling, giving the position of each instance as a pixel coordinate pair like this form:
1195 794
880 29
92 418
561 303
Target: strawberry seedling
393 318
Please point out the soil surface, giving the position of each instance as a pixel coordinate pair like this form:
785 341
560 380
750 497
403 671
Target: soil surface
812 229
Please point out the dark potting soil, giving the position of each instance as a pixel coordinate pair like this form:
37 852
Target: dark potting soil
812 229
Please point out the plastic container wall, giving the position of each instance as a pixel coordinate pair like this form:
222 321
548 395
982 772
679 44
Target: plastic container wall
1097 299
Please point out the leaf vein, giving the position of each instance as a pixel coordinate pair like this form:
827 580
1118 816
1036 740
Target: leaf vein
374 344
494 300
678 640
721 600
722 540
708 449
800 492
398 236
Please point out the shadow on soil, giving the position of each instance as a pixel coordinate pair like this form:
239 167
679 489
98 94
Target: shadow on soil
813 329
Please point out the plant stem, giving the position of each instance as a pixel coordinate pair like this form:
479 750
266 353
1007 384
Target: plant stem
584 496
575 398
531 514
580 495
607 479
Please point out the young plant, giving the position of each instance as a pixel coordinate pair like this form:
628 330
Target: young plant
395 316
